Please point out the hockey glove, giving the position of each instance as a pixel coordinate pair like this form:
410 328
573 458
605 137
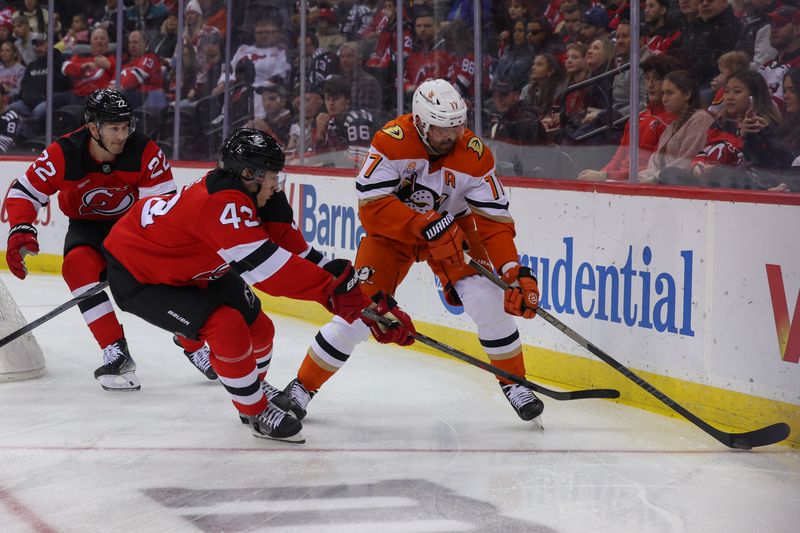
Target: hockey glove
522 298
21 242
446 240
344 293
401 332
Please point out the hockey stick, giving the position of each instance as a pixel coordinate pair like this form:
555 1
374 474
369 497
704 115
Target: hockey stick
449 350
55 312
742 441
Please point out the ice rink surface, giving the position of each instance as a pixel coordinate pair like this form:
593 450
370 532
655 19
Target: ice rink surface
397 441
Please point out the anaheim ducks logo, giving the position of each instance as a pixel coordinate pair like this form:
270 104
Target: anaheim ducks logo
364 274
395 132
418 197
110 202
476 145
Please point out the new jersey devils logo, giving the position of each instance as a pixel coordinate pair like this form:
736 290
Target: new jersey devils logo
107 201
211 275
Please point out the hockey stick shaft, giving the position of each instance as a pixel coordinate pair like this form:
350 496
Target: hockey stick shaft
449 350
55 312
751 439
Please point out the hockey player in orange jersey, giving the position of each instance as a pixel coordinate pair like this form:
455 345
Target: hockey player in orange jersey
427 189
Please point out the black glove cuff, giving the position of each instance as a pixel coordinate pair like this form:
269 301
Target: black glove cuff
435 229
23 228
315 256
525 272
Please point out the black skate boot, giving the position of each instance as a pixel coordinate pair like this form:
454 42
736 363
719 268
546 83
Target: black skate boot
274 395
298 397
200 359
118 370
522 399
275 423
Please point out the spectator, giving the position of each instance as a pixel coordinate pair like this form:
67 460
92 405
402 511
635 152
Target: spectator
163 44
36 16
713 33
108 20
574 107
189 75
140 79
541 39
510 119
328 30
195 31
620 91
571 28
461 50
424 62
652 123
515 63
339 126
754 37
546 84
277 120
321 63
91 72
386 46
266 55
356 20
12 129
365 91
685 136
209 67
599 59
78 33
313 105
661 34
518 11
728 64
784 36
33 89
594 25
22 34
788 133
11 71
6 31
145 16
215 15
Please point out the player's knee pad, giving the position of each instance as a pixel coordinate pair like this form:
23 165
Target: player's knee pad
82 267
483 303
337 339
227 335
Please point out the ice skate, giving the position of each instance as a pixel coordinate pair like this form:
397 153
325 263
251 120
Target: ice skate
200 359
118 370
298 397
274 395
275 423
522 399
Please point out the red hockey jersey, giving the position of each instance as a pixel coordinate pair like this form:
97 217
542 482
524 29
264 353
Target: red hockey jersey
200 233
85 79
88 189
142 73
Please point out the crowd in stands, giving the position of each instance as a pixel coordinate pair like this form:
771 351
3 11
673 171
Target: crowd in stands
717 103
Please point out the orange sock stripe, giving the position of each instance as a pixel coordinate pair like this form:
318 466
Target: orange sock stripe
311 375
515 365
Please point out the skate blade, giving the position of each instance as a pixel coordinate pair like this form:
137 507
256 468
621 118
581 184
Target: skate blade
297 438
127 382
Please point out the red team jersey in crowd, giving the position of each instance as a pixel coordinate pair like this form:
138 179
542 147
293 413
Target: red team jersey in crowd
84 84
210 226
88 189
142 73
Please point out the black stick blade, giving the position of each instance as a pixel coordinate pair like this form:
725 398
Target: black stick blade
593 393
758 437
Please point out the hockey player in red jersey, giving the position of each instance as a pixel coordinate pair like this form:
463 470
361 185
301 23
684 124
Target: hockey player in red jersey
183 263
427 187
98 172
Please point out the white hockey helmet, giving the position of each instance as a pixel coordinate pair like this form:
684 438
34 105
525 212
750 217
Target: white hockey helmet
437 103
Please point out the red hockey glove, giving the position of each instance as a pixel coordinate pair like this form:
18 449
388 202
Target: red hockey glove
401 332
445 238
344 293
21 242
522 298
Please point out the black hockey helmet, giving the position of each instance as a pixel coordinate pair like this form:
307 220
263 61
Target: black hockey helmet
253 149
108 105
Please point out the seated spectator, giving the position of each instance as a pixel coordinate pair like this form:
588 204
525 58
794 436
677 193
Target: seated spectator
365 91
785 38
108 20
518 11
22 35
594 25
12 129
728 64
321 63
215 15
599 59
749 117
210 67
189 71
620 91
661 33
32 102
713 33
145 16
754 37
541 39
313 105
460 49
339 126
385 52
330 37
424 62
515 63
78 33
91 72
195 31
788 133
140 78
574 108
267 56
546 84
685 136
570 31
652 123
277 120
37 17
356 20
6 31
11 70
510 119
164 42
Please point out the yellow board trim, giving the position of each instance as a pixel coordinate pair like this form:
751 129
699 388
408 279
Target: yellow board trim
728 410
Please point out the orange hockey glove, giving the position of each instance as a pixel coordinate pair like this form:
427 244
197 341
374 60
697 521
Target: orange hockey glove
522 298
344 293
401 333
21 242
445 238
